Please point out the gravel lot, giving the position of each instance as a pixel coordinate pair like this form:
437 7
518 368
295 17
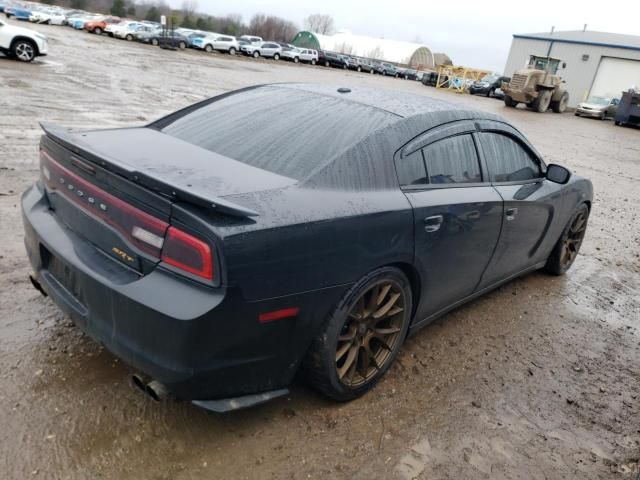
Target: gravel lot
537 380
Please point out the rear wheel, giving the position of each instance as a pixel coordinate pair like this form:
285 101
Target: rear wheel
276 56
154 42
296 59
129 37
208 48
97 31
24 50
362 336
560 106
232 51
359 68
182 45
326 64
256 54
568 246
313 62
542 101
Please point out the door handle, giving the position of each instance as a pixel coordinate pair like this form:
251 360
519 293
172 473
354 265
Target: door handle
511 213
432 224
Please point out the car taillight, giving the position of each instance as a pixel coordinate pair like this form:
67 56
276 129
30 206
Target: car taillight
139 227
188 253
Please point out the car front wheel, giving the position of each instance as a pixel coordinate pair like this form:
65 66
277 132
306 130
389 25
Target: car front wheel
129 37
256 54
182 45
276 56
24 50
97 31
154 42
208 48
362 336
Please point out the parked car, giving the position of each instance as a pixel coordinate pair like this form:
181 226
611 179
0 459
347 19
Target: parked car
487 85
359 65
221 43
498 93
598 107
99 26
335 60
250 38
308 55
430 79
387 69
22 43
20 13
290 52
262 49
220 269
411 74
125 30
48 16
145 33
167 39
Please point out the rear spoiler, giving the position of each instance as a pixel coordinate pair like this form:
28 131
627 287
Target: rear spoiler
175 192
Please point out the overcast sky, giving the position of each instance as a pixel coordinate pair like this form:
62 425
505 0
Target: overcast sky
474 33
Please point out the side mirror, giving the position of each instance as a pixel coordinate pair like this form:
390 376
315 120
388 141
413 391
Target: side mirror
558 174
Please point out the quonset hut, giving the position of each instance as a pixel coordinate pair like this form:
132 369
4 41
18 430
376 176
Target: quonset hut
414 55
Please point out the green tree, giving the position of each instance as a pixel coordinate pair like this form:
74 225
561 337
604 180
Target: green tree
187 22
203 23
153 14
48 2
131 11
119 9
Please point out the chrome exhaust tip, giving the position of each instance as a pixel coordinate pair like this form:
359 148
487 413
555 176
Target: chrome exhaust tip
156 390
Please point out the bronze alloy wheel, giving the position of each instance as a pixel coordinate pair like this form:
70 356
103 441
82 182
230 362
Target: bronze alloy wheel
574 238
370 333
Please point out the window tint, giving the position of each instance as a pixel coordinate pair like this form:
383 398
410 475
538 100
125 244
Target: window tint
452 160
507 160
411 170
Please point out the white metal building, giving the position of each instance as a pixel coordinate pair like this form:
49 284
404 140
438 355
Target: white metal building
598 63
395 51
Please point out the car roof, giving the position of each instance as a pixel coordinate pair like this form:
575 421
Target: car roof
401 104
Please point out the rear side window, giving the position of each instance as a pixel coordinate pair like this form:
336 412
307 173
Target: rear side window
507 160
452 160
411 170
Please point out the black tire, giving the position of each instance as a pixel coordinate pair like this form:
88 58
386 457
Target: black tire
232 51
154 42
542 101
208 48
561 105
616 122
256 54
566 249
276 56
321 364
97 31
24 50
182 45
129 37
313 62
490 93
510 102
359 69
296 59
326 64
344 67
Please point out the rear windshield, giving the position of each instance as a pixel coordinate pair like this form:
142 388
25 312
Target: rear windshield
282 130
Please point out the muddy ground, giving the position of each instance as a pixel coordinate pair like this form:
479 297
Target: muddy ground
537 380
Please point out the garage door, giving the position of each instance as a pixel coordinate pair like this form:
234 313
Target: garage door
615 75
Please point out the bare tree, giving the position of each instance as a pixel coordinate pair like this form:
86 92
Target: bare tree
272 28
189 7
375 53
319 23
345 48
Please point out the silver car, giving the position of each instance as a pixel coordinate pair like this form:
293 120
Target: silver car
221 43
598 107
263 49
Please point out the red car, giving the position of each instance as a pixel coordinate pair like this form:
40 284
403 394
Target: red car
98 26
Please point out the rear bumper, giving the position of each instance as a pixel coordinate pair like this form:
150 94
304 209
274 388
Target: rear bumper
202 343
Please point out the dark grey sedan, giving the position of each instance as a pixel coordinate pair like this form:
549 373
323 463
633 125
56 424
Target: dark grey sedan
222 258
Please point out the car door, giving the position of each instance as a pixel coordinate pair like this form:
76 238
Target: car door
517 172
457 214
